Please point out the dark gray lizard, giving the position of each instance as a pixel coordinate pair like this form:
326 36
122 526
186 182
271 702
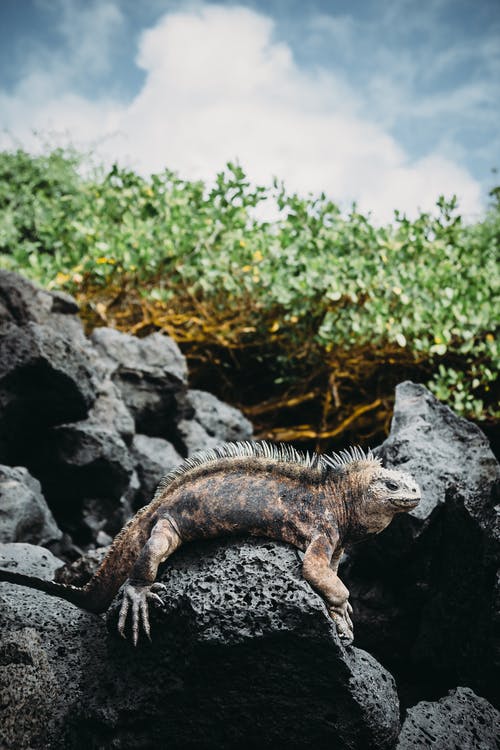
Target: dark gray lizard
318 503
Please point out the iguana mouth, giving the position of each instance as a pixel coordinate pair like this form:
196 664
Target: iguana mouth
407 502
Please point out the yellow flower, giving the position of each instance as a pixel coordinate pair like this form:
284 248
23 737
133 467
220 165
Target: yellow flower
490 338
61 278
246 269
242 243
257 256
102 260
149 192
275 326
438 340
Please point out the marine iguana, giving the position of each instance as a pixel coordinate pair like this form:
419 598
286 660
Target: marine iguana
318 503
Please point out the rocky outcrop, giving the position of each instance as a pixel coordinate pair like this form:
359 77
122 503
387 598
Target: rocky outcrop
44 380
211 420
70 408
425 590
153 457
243 651
24 514
243 654
219 420
151 376
29 559
22 302
459 720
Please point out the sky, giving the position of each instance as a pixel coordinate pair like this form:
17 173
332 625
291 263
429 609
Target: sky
388 103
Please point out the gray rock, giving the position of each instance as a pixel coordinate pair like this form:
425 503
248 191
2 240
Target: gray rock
22 302
24 514
239 614
28 687
194 437
424 590
95 461
436 447
220 421
155 353
459 720
64 303
29 559
110 413
153 457
43 643
150 374
44 380
86 471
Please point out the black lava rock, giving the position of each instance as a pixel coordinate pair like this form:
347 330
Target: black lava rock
151 376
153 458
243 654
44 380
24 513
461 720
425 590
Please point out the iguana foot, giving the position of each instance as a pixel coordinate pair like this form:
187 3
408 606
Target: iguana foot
342 619
136 597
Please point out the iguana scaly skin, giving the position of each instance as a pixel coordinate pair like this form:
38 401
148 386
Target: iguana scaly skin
317 503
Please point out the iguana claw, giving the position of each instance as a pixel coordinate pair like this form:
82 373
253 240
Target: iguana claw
343 622
137 597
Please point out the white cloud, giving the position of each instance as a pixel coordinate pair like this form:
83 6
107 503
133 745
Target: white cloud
219 87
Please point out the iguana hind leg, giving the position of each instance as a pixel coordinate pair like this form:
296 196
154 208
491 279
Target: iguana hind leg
139 589
319 556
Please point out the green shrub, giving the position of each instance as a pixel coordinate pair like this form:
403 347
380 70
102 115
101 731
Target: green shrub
315 298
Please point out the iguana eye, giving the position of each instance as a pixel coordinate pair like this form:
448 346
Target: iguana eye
393 486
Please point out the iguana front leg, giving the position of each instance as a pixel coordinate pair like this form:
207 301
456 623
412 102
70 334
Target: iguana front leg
319 568
138 590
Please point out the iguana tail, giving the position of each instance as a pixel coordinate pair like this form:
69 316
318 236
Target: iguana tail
99 592
73 594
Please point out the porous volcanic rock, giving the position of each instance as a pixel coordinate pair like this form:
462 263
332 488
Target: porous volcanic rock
29 559
424 590
109 411
22 302
219 420
438 448
243 654
70 406
153 457
211 422
44 380
194 438
86 471
151 375
459 720
43 650
24 514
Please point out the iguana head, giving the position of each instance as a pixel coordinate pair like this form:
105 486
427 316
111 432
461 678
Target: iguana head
384 493
373 495
396 490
